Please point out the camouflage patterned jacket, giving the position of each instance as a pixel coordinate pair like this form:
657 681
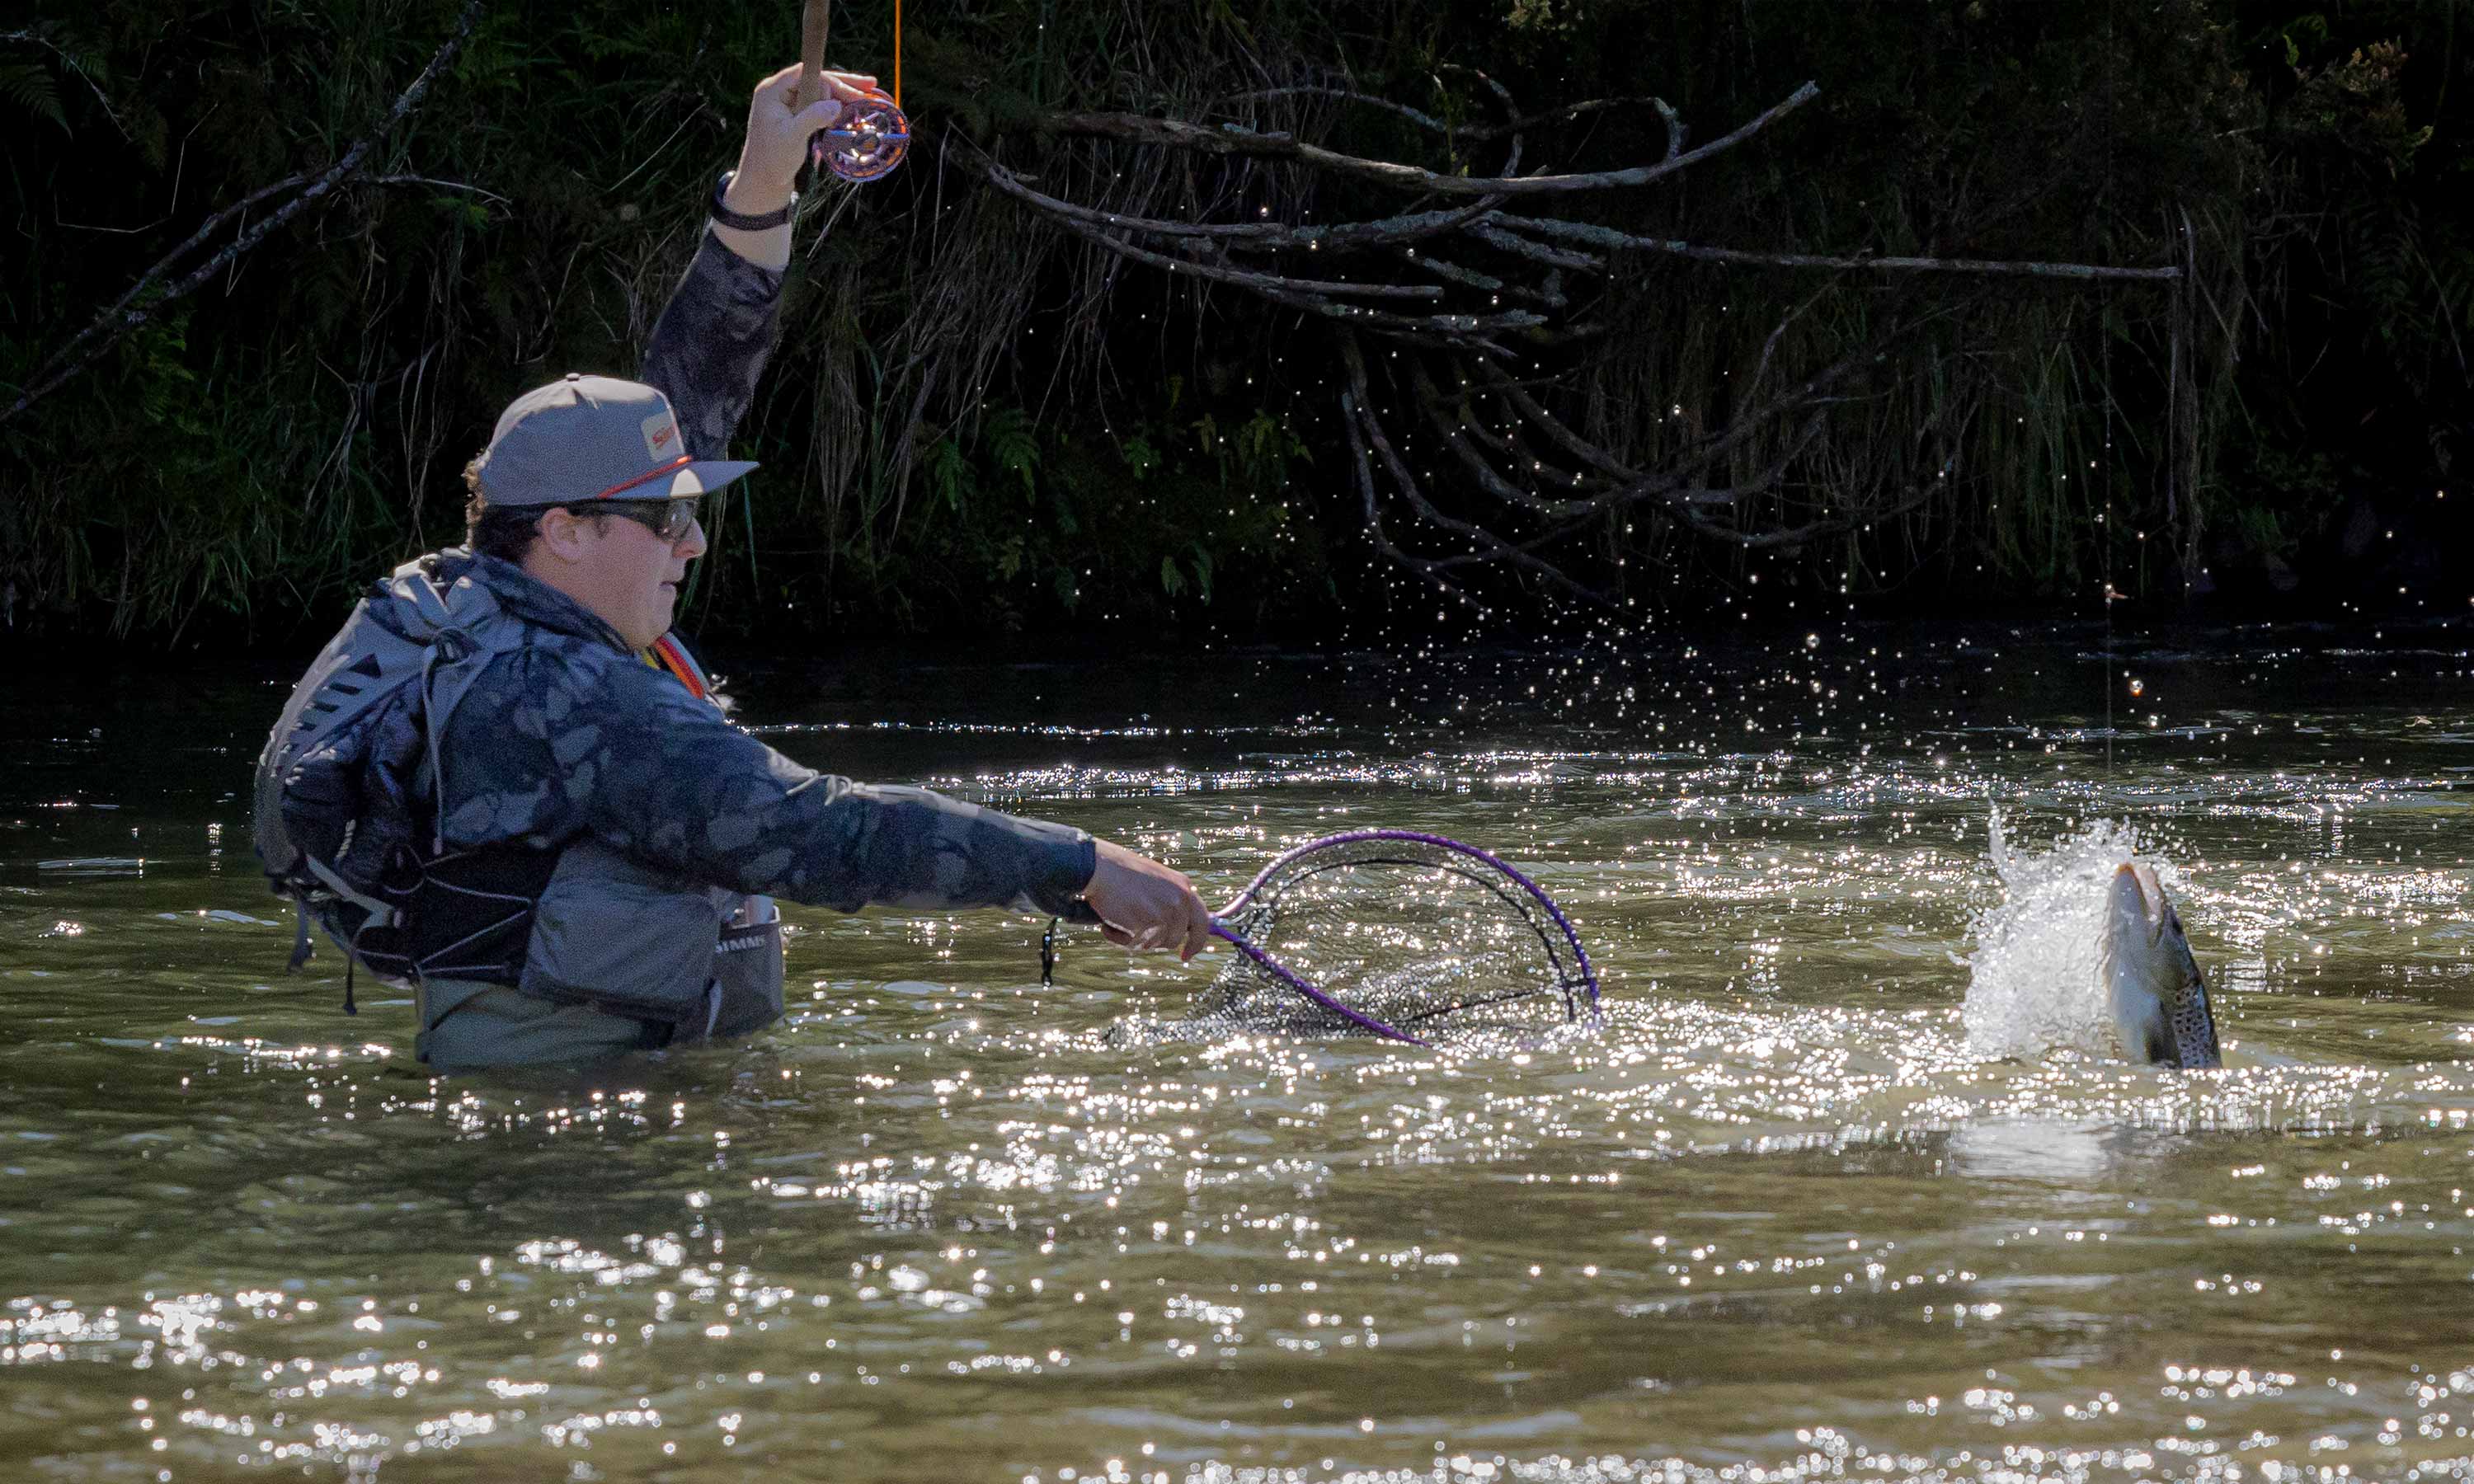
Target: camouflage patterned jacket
711 344
567 740
572 736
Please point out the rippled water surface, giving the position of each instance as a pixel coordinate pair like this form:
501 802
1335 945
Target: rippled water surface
1780 1220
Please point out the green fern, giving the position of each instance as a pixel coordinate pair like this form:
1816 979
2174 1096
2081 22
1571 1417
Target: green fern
28 87
1013 444
950 476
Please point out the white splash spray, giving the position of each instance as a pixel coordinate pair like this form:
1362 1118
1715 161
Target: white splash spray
2037 981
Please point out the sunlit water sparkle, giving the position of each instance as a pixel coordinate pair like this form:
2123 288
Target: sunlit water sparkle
1791 1215
2037 977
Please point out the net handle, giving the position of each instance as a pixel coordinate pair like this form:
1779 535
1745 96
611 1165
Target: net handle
1280 972
1580 954
1081 910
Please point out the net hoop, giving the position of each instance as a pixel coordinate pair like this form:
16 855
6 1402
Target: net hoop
1488 859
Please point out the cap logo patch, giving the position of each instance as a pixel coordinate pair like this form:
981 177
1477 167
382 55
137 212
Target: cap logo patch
661 437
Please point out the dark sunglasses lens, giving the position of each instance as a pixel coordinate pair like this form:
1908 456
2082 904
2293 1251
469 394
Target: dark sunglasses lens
669 519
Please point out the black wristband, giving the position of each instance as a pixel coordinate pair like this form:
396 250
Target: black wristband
747 223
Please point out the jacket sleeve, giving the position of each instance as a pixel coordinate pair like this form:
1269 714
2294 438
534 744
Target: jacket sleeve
623 752
712 343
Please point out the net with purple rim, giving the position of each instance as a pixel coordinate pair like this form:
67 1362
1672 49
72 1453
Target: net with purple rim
1397 934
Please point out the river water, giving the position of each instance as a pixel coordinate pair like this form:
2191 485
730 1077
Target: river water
1789 1216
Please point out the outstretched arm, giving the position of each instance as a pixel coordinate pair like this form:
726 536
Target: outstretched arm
571 741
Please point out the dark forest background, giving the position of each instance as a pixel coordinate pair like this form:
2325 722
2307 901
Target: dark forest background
976 422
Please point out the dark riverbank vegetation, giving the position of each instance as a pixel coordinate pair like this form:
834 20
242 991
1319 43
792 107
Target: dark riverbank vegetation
311 250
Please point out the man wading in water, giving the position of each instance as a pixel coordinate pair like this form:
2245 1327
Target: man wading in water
504 782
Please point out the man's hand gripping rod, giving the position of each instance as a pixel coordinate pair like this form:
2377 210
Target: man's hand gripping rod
872 135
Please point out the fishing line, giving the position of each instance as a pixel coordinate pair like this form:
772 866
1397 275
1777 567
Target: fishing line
2104 373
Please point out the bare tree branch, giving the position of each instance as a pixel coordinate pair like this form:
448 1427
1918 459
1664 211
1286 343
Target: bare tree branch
1487 232
120 320
1482 132
1366 428
1269 234
1234 139
1251 236
1609 238
1765 479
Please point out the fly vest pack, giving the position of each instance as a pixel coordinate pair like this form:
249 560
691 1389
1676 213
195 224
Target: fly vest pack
345 811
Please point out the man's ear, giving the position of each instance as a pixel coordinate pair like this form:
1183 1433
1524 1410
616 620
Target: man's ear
563 536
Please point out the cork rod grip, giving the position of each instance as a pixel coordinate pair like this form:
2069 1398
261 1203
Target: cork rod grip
811 53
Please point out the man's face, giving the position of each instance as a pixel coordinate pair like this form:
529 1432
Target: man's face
618 568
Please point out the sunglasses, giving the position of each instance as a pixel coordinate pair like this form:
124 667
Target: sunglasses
669 520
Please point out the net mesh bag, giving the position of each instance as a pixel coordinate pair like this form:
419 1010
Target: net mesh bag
1395 934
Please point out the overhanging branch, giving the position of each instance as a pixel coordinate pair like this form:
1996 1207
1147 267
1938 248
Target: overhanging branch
119 320
1529 481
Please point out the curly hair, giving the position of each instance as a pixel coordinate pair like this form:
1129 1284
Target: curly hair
506 532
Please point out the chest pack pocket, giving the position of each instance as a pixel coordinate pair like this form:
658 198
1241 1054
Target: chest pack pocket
625 938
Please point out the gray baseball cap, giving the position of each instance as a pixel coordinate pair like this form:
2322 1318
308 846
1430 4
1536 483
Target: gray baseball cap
582 439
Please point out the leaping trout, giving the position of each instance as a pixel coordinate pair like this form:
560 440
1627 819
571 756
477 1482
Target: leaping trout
2158 997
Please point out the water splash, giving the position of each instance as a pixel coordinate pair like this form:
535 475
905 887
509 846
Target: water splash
2038 984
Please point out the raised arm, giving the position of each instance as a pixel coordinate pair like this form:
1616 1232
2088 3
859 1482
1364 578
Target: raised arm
716 332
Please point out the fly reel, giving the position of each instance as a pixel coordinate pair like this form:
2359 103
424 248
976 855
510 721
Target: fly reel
872 135
870 139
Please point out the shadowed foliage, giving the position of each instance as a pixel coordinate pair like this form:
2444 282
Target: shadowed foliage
977 421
